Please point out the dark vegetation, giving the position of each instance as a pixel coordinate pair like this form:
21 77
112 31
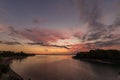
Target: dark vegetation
6 58
99 55
3 69
12 54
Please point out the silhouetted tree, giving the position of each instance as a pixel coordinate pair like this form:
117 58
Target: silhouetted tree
111 55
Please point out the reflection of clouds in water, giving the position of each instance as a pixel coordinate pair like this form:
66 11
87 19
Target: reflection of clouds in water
63 68
53 68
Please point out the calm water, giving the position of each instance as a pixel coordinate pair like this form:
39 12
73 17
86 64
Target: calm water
43 67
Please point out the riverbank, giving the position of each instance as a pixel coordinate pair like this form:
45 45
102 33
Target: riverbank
6 58
100 56
6 73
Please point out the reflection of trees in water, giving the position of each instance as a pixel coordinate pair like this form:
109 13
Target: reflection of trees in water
6 73
6 58
20 58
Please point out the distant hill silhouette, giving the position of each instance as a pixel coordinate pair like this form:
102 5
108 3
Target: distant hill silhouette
100 55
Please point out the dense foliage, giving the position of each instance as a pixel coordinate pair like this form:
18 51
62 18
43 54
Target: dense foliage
10 54
99 54
6 57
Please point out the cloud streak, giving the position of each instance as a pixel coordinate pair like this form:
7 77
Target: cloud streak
44 35
49 45
92 33
10 43
98 34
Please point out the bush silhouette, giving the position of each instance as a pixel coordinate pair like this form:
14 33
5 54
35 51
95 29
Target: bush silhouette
99 54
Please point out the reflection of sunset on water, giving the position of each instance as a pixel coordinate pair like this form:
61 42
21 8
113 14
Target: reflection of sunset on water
58 67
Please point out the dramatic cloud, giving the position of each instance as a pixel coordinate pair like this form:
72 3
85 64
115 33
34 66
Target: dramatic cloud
91 33
38 36
79 47
89 10
10 43
90 13
49 45
108 43
44 35
75 25
98 33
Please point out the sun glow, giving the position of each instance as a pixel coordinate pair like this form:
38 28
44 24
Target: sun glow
70 41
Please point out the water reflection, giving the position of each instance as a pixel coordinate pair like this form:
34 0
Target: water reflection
6 73
63 68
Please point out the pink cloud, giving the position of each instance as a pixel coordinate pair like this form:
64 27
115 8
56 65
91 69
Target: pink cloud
47 36
78 47
44 35
82 47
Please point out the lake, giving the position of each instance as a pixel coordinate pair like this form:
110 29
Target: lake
63 67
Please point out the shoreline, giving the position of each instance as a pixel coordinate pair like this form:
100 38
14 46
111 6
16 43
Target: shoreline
8 74
99 61
100 56
6 58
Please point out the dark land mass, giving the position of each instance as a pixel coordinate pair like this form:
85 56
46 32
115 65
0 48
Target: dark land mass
100 56
6 57
14 54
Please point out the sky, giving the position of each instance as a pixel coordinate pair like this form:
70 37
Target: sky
59 26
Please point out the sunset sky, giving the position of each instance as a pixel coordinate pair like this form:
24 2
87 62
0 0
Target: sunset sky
59 26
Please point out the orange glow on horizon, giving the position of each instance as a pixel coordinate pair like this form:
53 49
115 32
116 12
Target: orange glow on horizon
33 49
